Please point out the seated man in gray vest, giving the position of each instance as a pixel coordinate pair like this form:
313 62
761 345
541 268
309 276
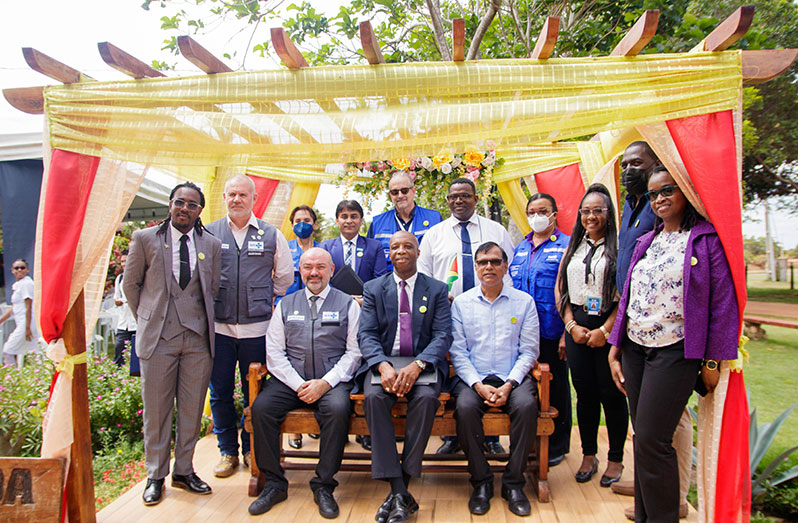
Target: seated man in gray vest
312 355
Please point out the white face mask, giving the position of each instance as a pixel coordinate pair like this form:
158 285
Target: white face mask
538 223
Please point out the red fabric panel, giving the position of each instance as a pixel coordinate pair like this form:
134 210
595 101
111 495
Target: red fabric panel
733 487
69 183
566 186
265 188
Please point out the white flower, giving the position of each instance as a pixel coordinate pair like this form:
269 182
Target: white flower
426 163
446 168
456 161
489 160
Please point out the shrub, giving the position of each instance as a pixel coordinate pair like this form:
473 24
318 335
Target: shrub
782 500
23 396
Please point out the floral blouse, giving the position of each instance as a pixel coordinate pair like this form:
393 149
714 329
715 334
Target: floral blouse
656 291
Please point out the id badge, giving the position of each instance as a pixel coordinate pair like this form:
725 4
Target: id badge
255 248
330 318
593 306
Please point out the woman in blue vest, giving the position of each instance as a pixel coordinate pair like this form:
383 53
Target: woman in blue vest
534 270
303 219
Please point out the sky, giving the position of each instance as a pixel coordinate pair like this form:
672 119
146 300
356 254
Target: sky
70 31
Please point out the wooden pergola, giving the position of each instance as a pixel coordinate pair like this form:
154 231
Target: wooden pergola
757 67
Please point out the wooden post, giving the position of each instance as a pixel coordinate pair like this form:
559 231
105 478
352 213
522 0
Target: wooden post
80 480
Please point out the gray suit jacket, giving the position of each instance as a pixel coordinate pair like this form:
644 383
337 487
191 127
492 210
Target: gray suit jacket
146 282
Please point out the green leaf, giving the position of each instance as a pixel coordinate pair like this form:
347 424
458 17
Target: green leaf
767 433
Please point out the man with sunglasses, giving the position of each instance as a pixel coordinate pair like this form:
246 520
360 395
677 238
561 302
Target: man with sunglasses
405 216
496 343
171 280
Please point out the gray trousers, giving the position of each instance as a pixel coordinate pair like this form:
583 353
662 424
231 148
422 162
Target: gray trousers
179 369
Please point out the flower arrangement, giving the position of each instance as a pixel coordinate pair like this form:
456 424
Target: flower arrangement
431 174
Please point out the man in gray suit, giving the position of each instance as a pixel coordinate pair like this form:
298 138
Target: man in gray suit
171 278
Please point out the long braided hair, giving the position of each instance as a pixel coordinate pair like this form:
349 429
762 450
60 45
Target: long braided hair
198 227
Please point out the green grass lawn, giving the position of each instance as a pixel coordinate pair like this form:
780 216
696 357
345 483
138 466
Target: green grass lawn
762 289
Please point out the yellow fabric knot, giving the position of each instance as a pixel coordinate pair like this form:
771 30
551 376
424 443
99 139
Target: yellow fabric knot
68 365
742 356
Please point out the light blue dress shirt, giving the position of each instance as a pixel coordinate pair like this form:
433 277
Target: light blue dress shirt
499 338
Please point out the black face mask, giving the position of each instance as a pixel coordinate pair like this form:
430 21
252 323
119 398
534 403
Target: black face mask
635 180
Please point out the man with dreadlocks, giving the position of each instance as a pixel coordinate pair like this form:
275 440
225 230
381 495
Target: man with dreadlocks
171 279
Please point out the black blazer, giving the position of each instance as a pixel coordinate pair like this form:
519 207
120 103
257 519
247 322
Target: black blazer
432 328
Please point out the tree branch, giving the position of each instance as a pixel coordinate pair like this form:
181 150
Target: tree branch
437 29
482 28
518 31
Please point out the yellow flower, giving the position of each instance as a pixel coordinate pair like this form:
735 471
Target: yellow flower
401 163
473 157
444 156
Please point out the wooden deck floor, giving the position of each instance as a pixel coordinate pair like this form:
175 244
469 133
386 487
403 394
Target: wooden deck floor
441 497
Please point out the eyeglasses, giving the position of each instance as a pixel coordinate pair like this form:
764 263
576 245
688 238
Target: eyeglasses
495 262
191 206
403 190
598 211
541 212
18 268
666 191
460 196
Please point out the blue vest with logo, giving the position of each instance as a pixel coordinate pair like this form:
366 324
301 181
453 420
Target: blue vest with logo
384 225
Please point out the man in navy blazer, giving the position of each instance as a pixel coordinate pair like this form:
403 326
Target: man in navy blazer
394 324
364 255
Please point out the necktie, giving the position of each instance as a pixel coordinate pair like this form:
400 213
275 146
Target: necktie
468 261
185 267
405 331
314 311
348 256
589 259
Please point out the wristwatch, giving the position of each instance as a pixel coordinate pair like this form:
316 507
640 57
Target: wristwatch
512 382
421 364
711 364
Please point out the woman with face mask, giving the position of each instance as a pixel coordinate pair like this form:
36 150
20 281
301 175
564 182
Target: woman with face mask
534 271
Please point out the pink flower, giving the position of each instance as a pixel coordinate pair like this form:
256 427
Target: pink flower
472 175
138 412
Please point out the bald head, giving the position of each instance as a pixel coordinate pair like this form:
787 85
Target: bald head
403 250
316 268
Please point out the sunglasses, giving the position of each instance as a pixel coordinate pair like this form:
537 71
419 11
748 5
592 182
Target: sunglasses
191 206
495 262
403 190
666 191
18 268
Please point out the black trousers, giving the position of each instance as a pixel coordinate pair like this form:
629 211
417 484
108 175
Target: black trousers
422 402
594 387
522 406
659 381
119 348
268 413
560 397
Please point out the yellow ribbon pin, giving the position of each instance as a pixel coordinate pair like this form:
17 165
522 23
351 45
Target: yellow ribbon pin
553 238
261 232
513 320
422 309
201 256
426 222
68 365
693 261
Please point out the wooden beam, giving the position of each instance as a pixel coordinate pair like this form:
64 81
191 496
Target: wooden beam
371 48
201 57
458 40
547 39
730 30
79 485
51 67
126 63
761 66
639 35
26 99
286 49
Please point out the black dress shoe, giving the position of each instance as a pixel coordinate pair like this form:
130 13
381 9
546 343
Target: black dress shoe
295 443
191 482
584 477
494 447
517 501
449 447
385 509
328 508
268 498
314 436
153 492
365 442
479 503
606 481
402 507
556 460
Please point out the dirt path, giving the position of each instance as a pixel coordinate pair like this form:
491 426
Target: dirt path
766 308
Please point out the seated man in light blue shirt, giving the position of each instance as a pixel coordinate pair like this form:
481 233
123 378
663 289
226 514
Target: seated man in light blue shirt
496 343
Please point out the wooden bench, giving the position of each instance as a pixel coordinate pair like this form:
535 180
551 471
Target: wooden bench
495 422
754 324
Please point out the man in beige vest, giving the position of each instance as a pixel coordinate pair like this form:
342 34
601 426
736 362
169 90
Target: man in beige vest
171 279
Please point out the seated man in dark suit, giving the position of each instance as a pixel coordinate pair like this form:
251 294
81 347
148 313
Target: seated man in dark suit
391 326
496 343
364 255
312 355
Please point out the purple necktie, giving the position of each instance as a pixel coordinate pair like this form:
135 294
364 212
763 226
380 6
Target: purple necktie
405 332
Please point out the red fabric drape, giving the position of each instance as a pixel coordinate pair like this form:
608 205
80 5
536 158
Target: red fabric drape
69 183
706 144
566 186
265 188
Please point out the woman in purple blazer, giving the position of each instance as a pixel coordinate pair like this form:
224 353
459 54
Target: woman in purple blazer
677 317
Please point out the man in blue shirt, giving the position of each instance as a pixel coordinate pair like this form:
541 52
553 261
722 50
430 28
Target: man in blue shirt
405 216
496 343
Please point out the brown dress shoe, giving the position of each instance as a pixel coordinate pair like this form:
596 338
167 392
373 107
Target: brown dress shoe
226 466
624 488
629 512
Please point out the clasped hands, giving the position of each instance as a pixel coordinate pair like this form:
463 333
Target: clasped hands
401 382
493 396
312 390
591 338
